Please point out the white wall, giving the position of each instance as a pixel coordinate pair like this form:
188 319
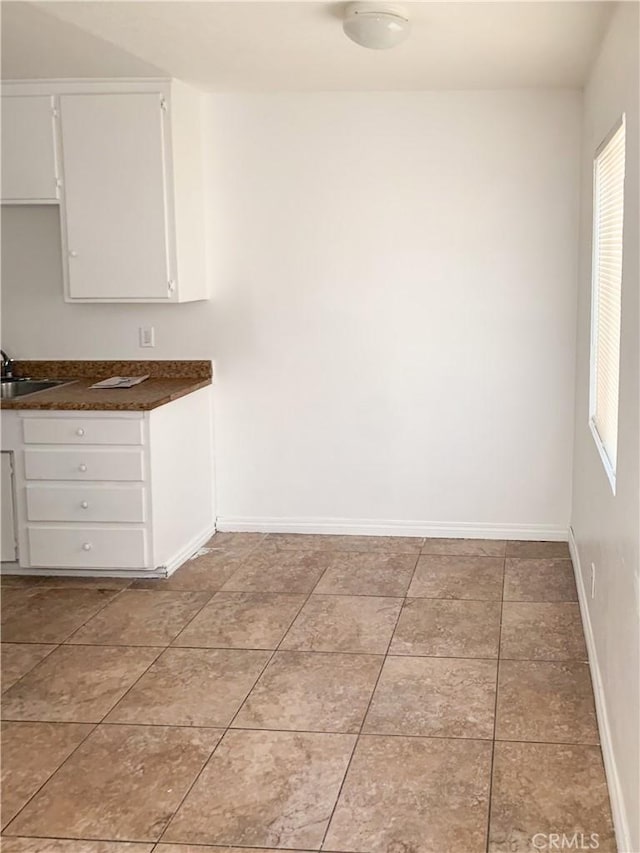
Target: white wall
607 528
394 317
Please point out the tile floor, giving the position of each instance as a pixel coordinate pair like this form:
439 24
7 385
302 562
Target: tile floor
376 695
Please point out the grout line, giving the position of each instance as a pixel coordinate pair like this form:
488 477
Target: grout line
227 728
495 599
155 844
74 630
312 651
148 645
112 599
495 709
590 744
418 540
75 646
59 767
69 638
317 594
95 726
222 728
366 713
131 686
55 648
130 644
280 651
93 615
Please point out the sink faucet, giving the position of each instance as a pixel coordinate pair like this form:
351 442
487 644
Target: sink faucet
7 365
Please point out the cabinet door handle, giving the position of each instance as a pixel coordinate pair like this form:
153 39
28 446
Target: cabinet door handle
82 467
84 504
87 546
79 431
73 254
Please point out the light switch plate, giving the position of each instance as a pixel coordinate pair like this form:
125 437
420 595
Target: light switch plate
147 336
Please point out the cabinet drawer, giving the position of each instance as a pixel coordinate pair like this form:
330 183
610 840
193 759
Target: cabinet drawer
80 430
85 503
84 464
86 547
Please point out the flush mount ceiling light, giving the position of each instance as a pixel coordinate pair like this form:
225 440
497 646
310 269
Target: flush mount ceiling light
376 25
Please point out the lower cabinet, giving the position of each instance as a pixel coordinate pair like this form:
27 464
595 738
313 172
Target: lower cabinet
7 503
127 493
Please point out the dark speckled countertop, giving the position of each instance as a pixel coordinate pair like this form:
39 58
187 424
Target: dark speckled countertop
168 380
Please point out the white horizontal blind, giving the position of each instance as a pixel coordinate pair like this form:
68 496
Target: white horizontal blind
606 298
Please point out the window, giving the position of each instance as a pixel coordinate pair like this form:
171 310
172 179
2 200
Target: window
608 209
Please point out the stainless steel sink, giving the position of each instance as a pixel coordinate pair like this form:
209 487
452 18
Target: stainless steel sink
21 387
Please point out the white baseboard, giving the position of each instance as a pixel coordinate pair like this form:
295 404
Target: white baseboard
375 527
620 821
188 551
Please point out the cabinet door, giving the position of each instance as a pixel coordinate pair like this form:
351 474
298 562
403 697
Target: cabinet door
28 149
115 196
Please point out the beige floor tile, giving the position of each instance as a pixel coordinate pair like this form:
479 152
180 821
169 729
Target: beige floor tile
31 752
546 701
467 629
16 659
36 615
202 574
458 577
123 783
268 569
465 547
77 684
242 620
322 542
424 795
534 631
541 788
368 574
311 691
53 845
344 623
538 550
434 697
539 580
265 789
240 543
142 618
192 687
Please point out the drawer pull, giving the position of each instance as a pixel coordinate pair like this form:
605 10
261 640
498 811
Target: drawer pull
84 504
82 467
79 431
86 546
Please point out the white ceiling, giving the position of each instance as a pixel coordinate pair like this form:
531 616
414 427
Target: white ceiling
281 46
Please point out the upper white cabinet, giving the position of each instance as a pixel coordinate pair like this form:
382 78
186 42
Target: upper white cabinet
129 169
29 163
115 190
